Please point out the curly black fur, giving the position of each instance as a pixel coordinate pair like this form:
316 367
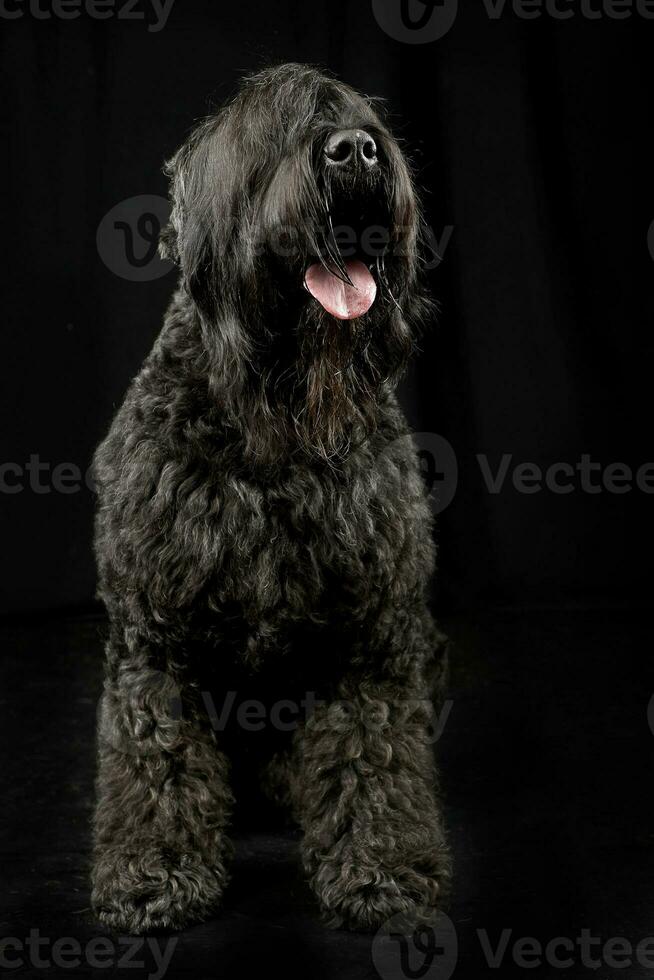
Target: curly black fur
261 523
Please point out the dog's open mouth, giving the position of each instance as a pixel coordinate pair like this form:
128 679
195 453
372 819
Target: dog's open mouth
344 300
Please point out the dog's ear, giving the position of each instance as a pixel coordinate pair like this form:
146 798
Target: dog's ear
168 243
194 234
200 239
169 234
184 239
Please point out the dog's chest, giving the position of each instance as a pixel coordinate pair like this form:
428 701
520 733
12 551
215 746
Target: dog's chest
304 544
320 548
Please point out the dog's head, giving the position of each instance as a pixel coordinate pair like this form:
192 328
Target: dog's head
296 227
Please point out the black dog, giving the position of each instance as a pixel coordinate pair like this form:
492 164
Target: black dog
262 522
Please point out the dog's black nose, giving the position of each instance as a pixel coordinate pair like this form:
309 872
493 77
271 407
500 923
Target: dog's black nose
351 147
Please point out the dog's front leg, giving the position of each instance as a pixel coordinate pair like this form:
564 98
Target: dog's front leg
374 845
163 802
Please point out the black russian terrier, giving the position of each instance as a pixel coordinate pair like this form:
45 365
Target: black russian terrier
263 527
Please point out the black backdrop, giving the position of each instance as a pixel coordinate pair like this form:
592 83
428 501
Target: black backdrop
519 130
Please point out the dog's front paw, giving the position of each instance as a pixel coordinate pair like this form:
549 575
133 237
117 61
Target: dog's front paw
138 890
365 900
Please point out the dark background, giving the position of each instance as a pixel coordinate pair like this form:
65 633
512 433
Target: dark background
520 133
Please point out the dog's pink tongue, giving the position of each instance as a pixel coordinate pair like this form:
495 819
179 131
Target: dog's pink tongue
339 298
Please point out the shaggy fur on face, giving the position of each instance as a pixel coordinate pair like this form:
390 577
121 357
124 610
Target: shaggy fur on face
262 527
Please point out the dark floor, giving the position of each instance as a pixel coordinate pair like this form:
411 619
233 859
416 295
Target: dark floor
547 761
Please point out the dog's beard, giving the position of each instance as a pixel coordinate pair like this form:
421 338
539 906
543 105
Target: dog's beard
293 377
318 389
337 384
320 353
303 380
